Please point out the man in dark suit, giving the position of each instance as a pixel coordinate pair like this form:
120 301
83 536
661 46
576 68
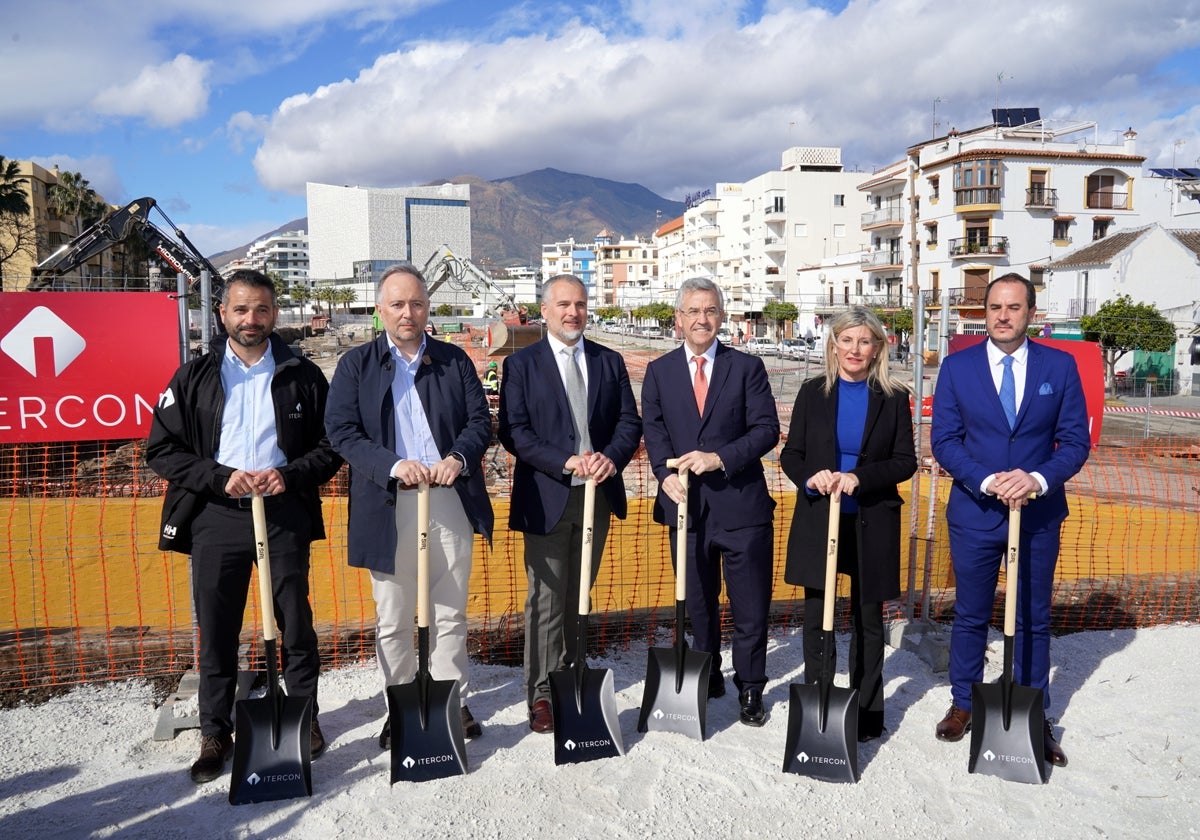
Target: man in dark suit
1009 420
567 413
712 408
403 410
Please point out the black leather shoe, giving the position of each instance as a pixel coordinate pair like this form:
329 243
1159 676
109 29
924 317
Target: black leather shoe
471 727
870 725
385 737
1054 753
752 713
716 685
214 751
954 725
316 740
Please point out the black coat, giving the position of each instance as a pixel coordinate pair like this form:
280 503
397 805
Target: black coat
886 457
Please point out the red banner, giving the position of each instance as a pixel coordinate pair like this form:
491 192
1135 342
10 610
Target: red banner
83 365
1088 359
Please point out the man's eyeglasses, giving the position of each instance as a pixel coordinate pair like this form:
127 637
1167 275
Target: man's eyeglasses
711 312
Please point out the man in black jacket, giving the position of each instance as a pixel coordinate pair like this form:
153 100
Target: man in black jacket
230 424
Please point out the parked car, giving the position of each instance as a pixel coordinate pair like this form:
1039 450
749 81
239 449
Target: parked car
760 346
724 336
815 351
792 348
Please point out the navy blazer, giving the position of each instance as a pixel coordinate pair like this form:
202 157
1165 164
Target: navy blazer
360 422
740 424
535 426
971 439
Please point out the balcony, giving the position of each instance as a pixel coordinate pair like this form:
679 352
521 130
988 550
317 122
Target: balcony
970 297
977 197
1078 307
1040 198
1104 200
878 260
774 244
991 246
885 217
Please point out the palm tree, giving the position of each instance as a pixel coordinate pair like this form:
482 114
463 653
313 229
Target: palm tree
13 200
74 197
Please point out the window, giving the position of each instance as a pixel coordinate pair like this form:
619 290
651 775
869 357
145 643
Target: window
1100 228
1062 230
1037 276
931 235
935 282
934 187
839 200
800 229
839 231
977 182
777 204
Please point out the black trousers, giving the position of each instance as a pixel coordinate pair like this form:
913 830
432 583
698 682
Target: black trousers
223 555
866 639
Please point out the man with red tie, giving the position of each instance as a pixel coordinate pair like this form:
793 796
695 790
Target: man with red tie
712 408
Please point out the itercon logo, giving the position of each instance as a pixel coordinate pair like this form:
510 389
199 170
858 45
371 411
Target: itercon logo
20 342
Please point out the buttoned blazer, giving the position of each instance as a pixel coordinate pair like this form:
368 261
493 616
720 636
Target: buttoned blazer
535 426
740 424
360 421
971 440
886 457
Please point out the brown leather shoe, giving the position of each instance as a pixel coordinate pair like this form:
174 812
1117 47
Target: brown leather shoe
214 752
471 727
1054 753
954 725
316 741
541 717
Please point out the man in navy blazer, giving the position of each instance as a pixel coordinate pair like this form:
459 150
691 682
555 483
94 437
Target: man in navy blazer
407 409
554 457
996 464
731 514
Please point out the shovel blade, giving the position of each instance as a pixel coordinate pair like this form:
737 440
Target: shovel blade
271 764
666 710
1014 752
584 702
427 732
828 752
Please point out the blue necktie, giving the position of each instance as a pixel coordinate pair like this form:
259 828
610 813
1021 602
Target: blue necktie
1008 392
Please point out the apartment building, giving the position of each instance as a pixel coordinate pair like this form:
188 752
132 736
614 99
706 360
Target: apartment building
626 272
284 254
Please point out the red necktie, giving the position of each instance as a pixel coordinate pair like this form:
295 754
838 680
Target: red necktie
700 385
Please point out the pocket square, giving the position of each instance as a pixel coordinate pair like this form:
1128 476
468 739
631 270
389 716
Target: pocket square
1046 388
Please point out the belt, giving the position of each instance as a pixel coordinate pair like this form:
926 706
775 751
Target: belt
243 502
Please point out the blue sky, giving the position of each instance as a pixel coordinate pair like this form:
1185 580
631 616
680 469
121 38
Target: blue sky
222 111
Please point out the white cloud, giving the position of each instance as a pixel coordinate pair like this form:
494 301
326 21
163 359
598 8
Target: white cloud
243 128
164 95
694 101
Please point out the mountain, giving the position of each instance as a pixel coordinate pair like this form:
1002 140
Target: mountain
223 258
512 217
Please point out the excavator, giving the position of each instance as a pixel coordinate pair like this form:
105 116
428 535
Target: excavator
116 226
461 275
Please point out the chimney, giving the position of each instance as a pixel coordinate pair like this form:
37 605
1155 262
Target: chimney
1130 145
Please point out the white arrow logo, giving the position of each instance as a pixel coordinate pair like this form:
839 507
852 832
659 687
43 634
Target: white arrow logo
802 757
253 778
408 762
989 755
41 322
570 745
658 714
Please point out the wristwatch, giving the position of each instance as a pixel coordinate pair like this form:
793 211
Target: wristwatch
462 460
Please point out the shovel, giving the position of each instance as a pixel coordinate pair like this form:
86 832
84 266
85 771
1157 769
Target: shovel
676 695
1008 720
822 736
272 746
425 716
583 699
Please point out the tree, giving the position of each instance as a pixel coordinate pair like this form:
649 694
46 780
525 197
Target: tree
73 197
346 296
779 312
1120 325
609 313
662 313
326 295
17 236
444 311
12 190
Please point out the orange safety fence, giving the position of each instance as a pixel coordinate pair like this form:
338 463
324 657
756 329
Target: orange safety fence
85 595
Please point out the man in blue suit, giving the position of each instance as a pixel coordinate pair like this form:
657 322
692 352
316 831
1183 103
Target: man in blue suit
1009 420
712 408
567 413
403 410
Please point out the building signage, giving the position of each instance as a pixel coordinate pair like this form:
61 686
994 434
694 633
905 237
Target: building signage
83 365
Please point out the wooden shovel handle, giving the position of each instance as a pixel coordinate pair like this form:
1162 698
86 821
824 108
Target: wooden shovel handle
680 533
258 511
585 553
831 558
1010 572
423 555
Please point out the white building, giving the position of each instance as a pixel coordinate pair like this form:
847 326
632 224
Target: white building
284 253
355 233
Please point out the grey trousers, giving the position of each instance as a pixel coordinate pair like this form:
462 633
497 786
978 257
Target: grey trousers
552 564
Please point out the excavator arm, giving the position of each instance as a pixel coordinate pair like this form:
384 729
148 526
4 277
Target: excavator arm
462 275
133 219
